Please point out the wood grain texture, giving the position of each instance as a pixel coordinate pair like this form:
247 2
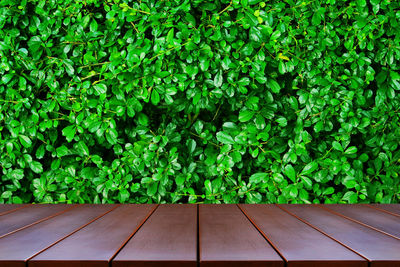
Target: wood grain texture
17 248
378 248
364 214
30 215
297 242
97 243
228 238
168 238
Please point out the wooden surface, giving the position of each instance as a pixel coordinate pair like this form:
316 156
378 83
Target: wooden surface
200 235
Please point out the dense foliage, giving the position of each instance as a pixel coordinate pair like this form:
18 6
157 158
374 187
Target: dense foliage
199 101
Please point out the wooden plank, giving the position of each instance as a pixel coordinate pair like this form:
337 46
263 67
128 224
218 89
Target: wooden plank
391 208
30 215
381 250
96 244
8 208
298 243
228 238
168 238
368 216
17 248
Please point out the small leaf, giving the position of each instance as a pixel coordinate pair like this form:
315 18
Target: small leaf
40 152
207 185
336 145
258 177
218 79
62 151
111 136
309 168
25 141
69 132
83 148
170 36
351 150
244 81
155 97
6 194
274 86
100 88
246 115
36 166
225 138
290 172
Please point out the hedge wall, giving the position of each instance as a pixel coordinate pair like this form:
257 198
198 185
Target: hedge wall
199 101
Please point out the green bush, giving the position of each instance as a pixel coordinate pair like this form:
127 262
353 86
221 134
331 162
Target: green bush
199 101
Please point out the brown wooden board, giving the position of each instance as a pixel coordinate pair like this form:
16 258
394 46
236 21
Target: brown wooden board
298 243
27 216
17 248
228 239
371 217
392 208
8 208
168 238
96 244
381 250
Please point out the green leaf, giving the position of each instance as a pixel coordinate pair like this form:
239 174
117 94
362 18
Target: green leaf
69 132
274 86
82 147
350 197
244 81
351 150
191 145
282 121
307 181
361 3
246 115
7 78
170 36
336 145
36 166
94 126
17 174
258 177
6 194
218 80
255 35
290 172
208 187
225 138
62 151
180 180
34 43
111 136
309 168
40 152
316 19
100 88
25 141
155 97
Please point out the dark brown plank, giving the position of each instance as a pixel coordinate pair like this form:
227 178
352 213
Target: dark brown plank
228 238
392 208
96 244
371 217
8 208
28 216
168 238
17 248
297 242
381 250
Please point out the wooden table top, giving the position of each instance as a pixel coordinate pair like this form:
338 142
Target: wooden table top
204 235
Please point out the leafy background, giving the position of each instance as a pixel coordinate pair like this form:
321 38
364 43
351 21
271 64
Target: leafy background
199 101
